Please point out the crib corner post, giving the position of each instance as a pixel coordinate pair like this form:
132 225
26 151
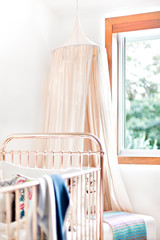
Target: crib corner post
3 154
101 196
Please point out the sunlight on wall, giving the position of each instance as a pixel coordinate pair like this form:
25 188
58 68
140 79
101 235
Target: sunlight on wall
27 30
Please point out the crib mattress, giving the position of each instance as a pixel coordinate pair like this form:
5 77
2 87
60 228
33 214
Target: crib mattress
150 225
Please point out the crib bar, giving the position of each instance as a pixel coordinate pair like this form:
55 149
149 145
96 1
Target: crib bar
81 213
44 159
26 213
77 201
70 154
28 154
12 156
71 222
36 158
20 158
8 213
101 196
17 212
97 210
80 160
52 159
88 159
34 213
86 203
42 235
93 206
61 154
89 198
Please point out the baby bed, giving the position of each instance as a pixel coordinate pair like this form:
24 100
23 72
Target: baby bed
23 154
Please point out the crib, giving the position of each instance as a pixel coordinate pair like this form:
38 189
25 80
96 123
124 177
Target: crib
30 157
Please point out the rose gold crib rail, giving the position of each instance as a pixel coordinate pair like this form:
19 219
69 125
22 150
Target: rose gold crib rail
83 186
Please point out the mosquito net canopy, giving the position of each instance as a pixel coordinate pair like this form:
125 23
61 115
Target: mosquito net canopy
78 99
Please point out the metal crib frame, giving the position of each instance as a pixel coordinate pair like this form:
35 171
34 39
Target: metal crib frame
55 136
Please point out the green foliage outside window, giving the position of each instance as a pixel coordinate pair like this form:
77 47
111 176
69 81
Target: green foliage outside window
142 95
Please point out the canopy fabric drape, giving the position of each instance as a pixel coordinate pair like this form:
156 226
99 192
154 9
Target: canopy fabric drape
78 99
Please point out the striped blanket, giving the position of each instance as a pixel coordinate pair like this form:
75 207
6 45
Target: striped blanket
126 226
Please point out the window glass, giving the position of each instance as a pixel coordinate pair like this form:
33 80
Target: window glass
142 92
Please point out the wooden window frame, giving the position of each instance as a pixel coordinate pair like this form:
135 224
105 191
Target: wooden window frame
125 24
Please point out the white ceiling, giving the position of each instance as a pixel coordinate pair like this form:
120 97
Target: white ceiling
68 7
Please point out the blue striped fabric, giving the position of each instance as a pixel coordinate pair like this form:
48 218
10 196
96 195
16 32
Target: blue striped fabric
126 226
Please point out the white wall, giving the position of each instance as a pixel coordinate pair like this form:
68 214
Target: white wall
92 25
142 185
28 33
92 19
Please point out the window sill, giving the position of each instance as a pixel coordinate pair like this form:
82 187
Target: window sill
139 153
138 160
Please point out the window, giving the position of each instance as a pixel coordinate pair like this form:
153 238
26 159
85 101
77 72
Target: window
138 67
139 94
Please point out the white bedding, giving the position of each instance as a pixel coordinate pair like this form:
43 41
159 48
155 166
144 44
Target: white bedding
12 230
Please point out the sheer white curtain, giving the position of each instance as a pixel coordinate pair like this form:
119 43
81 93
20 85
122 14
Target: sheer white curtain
67 88
78 99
